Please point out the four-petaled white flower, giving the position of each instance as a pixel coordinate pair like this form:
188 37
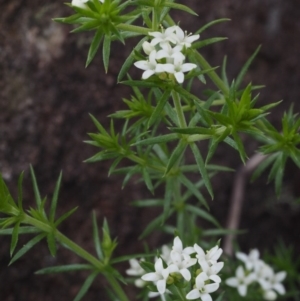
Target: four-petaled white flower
241 281
249 260
202 289
178 247
182 263
212 270
211 256
178 68
164 37
151 67
273 283
160 276
185 39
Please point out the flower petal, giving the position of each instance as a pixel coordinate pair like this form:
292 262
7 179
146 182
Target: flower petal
161 286
194 294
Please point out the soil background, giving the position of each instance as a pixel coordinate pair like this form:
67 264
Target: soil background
46 95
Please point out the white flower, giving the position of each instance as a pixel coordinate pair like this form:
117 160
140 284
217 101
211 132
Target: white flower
151 67
160 276
185 39
273 282
148 48
164 37
178 247
202 290
269 295
211 256
81 3
249 260
135 268
182 263
178 68
212 270
241 281
169 53
166 254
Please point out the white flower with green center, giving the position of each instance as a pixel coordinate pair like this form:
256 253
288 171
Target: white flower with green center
241 281
165 37
178 68
273 283
249 260
169 53
202 289
182 263
185 39
151 66
160 276
212 270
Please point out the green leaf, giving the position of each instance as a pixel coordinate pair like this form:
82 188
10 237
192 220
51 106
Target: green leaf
207 42
94 46
147 179
180 7
157 140
130 59
211 24
193 189
154 224
147 203
159 108
64 216
176 155
221 232
96 237
86 285
22 230
203 214
243 71
51 243
54 199
263 165
27 247
14 238
65 268
106 51
202 168
169 189
223 72
240 146
35 189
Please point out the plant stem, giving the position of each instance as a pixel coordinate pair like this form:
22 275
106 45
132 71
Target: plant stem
212 74
65 241
178 109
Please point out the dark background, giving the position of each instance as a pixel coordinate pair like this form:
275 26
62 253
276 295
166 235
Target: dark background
46 95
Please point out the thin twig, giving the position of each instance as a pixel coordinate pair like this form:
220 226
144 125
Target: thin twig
237 198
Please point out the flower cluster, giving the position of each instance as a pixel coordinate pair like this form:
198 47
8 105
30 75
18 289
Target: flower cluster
165 53
256 270
173 266
81 3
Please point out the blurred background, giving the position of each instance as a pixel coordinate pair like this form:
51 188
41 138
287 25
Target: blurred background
46 95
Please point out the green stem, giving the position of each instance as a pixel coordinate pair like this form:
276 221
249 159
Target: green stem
178 109
181 293
212 74
65 241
